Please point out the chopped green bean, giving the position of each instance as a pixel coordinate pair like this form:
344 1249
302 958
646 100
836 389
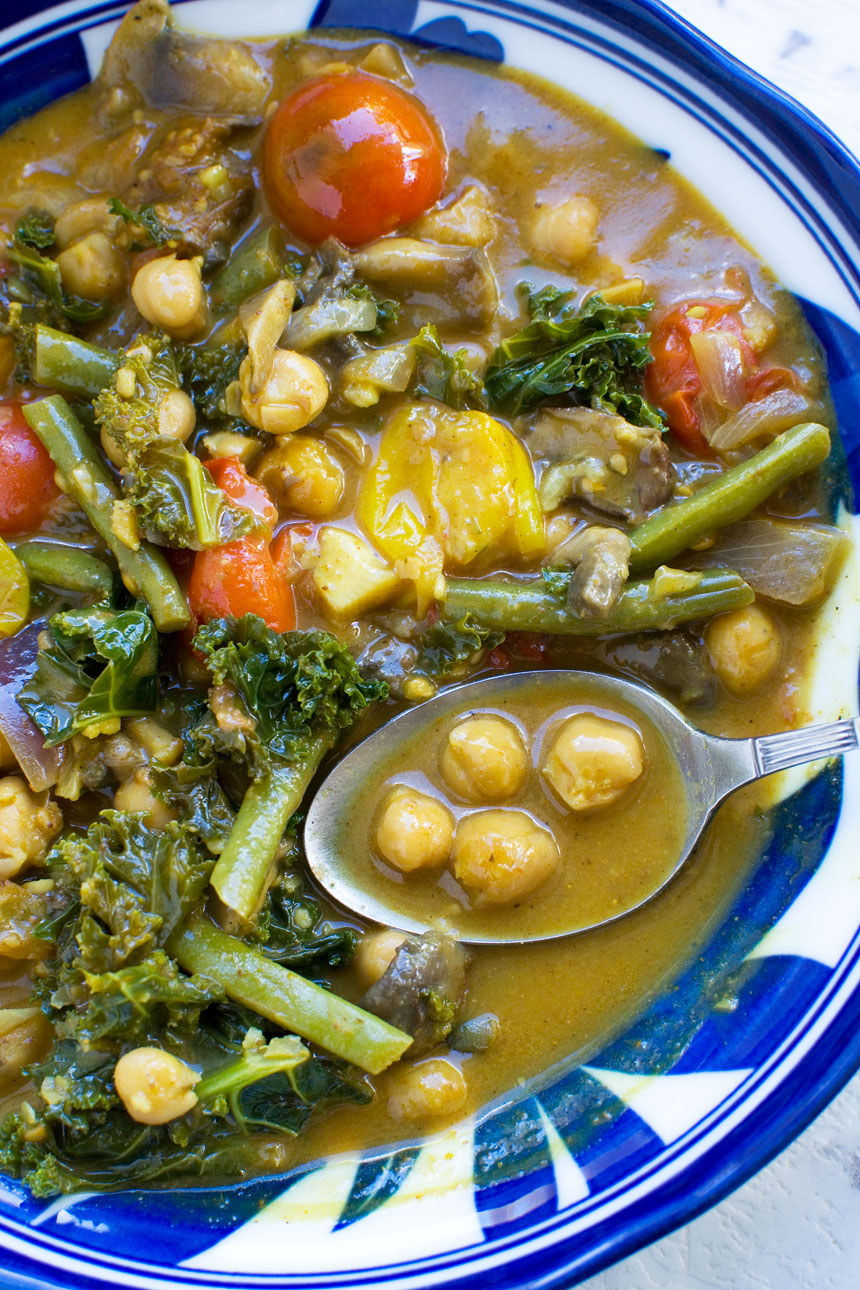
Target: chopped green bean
239 876
66 567
70 365
729 497
256 263
286 998
85 477
530 607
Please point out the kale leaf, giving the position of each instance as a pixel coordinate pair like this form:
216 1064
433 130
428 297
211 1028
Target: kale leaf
297 687
443 375
293 934
593 355
100 665
175 500
206 371
146 220
446 646
36 228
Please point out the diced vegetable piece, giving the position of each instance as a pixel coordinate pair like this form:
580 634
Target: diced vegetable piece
144 571
793 563
282 996
314 324
349 577
255 264
14 592
530 607
473 490
729 497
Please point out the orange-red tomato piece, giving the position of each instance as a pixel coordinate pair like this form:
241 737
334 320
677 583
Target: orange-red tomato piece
672 381
233 479
27 487
240 578
351 156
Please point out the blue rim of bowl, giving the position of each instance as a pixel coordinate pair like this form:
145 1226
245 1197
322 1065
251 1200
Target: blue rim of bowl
834 174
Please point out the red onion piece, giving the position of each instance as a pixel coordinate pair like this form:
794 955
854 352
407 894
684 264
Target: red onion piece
41 765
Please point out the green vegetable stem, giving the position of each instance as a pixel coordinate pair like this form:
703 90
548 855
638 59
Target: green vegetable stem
145 571
255 264
272 991
67 567
72 366
240 874
729 497
532 606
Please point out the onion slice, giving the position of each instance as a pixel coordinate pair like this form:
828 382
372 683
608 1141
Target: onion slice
721 365
763 419
40 765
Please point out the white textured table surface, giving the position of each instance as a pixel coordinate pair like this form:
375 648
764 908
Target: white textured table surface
795 1225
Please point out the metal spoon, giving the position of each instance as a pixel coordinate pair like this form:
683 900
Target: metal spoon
712 768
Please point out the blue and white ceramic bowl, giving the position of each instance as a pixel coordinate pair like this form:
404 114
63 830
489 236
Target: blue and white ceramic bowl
717 1076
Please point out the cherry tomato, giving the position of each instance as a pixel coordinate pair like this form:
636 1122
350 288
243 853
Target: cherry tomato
231 476
287 548
351 156
27 487
240 578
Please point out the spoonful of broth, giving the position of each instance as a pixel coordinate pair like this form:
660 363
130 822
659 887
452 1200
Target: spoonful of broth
531 806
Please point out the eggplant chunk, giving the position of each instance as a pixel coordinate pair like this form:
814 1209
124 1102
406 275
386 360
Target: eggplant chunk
421 989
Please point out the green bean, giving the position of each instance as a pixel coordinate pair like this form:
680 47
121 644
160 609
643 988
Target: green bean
531 607
145 571
70 365
65 567
273 991
256 264
730 497
239 876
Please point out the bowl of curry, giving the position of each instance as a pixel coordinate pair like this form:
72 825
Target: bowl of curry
342 366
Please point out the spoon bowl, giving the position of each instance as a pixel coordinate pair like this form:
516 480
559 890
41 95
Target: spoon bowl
711 767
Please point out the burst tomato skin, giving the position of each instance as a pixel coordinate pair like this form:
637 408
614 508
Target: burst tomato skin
27 486
233 479
351 156
240 578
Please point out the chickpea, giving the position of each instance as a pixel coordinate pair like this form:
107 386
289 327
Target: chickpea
111 448
92 267
169 294
432 1088
135 794
484 759
28 824
8 759
592 761
295 392
154 1086
375 953
88 216
302 475
503 855
414 830
745 648
176 416
566 230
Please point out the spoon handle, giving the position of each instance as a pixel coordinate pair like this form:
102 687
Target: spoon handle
796 747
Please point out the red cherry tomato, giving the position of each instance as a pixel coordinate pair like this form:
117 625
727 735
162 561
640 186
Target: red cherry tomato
233 479
351 156
27 487
240 578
